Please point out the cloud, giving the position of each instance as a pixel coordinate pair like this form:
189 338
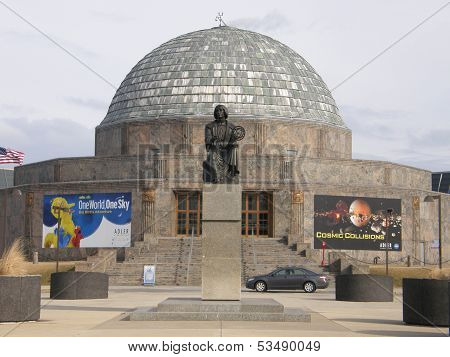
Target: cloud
382 124
44 139
436 162
88 103
388 135
274 21
432 138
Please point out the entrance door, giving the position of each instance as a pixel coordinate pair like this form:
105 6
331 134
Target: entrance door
256 214
188 222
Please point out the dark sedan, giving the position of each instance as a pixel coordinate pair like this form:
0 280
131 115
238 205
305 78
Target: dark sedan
291 278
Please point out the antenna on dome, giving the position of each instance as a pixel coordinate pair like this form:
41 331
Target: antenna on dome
219 18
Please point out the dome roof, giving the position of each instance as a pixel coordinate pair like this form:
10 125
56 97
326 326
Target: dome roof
253 75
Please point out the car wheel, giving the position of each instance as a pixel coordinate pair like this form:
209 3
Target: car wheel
309 287
260 286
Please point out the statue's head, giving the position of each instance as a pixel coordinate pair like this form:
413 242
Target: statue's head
220 112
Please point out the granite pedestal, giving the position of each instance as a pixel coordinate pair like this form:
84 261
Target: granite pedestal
196 309
221 242
221 272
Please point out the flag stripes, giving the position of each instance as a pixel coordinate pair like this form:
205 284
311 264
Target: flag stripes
9 156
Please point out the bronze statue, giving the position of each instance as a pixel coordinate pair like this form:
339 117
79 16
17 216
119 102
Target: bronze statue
221 137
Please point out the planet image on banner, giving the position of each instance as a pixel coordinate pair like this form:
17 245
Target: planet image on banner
360 213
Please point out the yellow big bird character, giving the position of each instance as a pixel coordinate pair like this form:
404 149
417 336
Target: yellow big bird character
62 209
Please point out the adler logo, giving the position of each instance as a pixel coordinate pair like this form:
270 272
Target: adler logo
121 231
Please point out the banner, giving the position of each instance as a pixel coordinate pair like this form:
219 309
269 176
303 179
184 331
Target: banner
357 223
94 220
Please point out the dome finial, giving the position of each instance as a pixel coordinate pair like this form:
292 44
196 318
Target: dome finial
219 18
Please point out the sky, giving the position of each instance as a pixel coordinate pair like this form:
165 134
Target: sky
397 105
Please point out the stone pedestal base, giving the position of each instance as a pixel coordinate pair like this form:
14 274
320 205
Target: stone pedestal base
195 309
221 242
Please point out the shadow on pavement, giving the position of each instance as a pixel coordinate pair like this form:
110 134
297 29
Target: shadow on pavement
373 321
403 333
85 308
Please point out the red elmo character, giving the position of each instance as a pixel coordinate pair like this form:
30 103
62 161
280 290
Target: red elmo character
77 237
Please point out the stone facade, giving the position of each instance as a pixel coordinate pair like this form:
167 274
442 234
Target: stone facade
292 217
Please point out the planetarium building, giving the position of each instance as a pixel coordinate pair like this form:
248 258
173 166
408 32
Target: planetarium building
301 189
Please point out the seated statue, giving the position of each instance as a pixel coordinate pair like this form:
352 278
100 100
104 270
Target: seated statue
221 137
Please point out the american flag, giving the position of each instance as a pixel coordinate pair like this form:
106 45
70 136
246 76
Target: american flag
8 156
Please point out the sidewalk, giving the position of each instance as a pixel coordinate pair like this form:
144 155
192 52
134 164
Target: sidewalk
103 317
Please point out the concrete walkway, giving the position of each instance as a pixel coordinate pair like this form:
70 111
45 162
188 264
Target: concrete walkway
103 317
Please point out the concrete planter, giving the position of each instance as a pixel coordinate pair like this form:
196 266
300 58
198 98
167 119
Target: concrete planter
364 288
74 285
426 302
20 298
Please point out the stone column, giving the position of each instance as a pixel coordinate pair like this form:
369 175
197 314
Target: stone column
297 220
221 242
260 137
148 215
187 138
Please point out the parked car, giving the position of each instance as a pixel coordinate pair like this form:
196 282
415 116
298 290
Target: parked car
291 278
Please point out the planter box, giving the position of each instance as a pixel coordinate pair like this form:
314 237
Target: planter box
364 288
74 285
426 302
20 298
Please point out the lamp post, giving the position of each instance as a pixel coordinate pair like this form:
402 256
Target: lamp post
324 245
431 199
388 215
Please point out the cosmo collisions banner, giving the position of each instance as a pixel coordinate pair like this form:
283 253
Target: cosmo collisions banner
97 220
357 223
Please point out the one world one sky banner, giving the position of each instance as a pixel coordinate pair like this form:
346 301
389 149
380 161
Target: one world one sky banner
94 220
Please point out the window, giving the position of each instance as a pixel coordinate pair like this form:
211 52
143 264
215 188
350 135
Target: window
189 213
299 272
256 214
281 272
284 272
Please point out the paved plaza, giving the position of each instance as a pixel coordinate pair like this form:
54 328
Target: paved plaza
104 317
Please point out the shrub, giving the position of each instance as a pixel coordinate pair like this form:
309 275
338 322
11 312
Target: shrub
13 260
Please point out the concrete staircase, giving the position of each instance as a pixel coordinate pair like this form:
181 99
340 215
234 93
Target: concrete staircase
262 255
100 262
178 260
